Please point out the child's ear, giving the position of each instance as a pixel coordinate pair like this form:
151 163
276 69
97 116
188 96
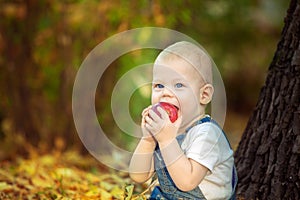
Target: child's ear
206 93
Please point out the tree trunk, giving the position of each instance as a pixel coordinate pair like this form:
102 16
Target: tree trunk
18 33
268 156
40 120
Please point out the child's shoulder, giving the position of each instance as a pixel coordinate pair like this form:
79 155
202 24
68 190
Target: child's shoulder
206 130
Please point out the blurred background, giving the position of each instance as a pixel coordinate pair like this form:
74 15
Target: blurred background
43 43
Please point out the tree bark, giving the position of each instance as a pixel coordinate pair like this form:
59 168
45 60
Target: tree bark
268 156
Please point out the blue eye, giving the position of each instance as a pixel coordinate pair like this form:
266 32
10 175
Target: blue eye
178 85
159 86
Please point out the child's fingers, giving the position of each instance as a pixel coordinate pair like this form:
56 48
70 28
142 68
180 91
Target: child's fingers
164 115
154 116
146 110
149 120
149 128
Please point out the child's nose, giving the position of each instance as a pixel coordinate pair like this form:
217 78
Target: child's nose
167 92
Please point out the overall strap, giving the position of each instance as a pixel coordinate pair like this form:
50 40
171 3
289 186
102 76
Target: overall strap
208 119
200 121
167 189
234 172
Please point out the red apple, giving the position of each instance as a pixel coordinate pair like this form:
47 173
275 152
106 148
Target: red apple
169 108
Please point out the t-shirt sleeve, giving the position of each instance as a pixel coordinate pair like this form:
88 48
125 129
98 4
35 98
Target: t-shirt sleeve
201 144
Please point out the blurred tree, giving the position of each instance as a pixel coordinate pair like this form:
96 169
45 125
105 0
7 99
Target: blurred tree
20 71
268 156
36 75
43 43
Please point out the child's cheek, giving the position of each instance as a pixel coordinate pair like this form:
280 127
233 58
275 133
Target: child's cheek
154 98
179 114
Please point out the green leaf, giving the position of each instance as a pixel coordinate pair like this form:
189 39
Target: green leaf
128 192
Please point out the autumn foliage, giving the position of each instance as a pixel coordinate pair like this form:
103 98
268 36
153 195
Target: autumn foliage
64 176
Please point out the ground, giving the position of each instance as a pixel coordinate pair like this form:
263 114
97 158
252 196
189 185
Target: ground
64 176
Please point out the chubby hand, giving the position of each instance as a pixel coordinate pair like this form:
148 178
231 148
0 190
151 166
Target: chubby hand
147 135
162 128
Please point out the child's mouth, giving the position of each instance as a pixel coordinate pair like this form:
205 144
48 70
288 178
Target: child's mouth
171 109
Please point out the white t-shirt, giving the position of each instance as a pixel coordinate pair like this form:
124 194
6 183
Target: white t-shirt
206 144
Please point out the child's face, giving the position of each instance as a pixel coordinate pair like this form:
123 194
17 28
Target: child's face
177 82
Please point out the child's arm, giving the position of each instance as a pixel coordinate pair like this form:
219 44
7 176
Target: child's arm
141 166
186 173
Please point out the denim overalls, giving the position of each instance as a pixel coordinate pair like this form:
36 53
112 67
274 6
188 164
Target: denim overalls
167 188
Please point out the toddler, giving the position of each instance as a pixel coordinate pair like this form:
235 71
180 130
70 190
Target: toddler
192 156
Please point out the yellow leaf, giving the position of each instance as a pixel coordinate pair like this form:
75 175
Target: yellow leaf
106 186
29 167
117 192
47 160
92 192
105 195
4 186
41 182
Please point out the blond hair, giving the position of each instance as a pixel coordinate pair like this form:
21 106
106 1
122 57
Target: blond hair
192 54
